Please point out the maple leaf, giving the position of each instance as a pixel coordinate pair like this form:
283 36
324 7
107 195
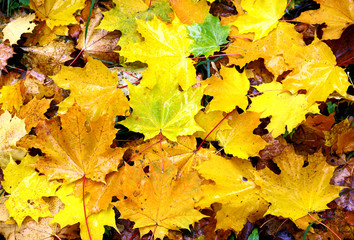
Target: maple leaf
189 11
11 97
299 189
73 213
275 102
15 28
208 120
126 13
339 138
182 154
26 188
234 188
171 58
164 203
315 71
228 92
262 16
75 149
207 36
337 15
98 43
164 109
6 52
245 48
92 87
33 111
56 12
12 129
119 184
240 141
48 58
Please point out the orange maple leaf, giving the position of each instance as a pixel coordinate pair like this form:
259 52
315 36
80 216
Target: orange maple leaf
75 148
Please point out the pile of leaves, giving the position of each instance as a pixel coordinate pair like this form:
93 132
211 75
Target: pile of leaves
178 119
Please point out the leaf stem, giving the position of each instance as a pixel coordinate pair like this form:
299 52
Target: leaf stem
162 167
342 63
40 28
142 151
83 201
200 145
335 234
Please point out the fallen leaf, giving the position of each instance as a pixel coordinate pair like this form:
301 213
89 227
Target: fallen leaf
337 15
94 88
299 189
15 28
241 142
163 109
234 189
55 12
164 203
172 57
261 18
229 92
207 36
189 11
75 149
275 102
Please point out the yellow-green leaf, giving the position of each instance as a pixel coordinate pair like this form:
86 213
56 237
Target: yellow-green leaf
164 109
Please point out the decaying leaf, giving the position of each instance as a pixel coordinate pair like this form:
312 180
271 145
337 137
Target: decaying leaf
14 29
12 129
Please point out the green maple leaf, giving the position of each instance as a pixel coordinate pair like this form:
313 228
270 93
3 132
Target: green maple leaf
207 36
164 109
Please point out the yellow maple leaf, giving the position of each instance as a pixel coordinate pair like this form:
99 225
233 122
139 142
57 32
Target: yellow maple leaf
73 212
240 141
76 148
315 71
245 48
164 109
26 188
172 43
208 120
337 15
228 92
11 97
15 28
234 189
262 16
12 129
298 189
163 203
56 12
275 102
94 88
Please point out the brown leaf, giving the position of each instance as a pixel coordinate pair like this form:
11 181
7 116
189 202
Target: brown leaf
6 52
